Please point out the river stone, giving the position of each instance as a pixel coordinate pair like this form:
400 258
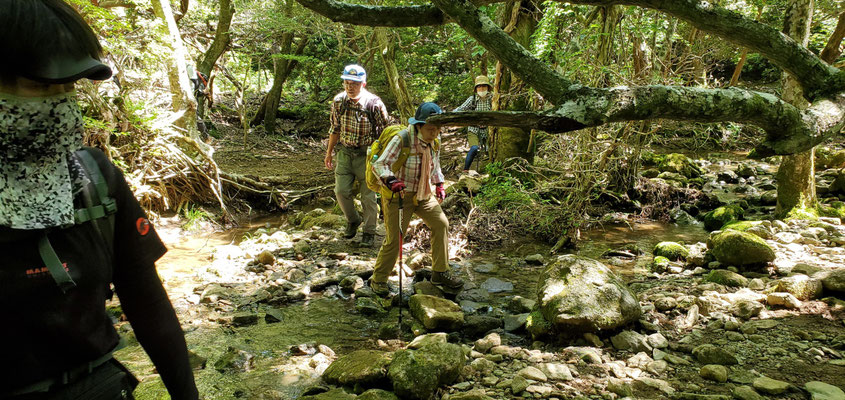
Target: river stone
740 248
657 341
835 280
244 319
534 259
770 386
671 250
475 394
620 387
679 164
377 394
823 391
721 216
533 373
436 312
727 278
234 360
519 384
582 294
515 322
302 247
631 341
416 374
266 258
711 354
747 309
660 264
537 325
714 372
334 394
358 367
496 285
556 371
665 303
478 325
783 299
746 393
801 286
519 304
351 283
369 306
424 340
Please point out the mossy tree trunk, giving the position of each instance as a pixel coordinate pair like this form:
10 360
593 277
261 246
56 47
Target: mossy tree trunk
394 78
796 174
610 16
222 38
511 92
282 68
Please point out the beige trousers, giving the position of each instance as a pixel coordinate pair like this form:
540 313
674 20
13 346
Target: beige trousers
433 216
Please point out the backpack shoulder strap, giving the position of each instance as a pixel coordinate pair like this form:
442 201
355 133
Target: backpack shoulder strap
404 152
99 207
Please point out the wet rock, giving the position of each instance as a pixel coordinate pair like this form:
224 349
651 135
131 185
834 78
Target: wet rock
364 367
369 306
679 164
234 360
631 341
351 283
519 304
478 325
747 309
657 341
532 373
537 325
495 285
416 374
334 394
714 372
711 354
835 281
515 322
671 250
657 367
744 170
302 246
378 394
436 313
783 299
519 384
578 293
273 315
739 248
427 288
801 286
534 259
665 303
266 258
586 354
682 217
214 292
244 319
645 383
556 372
727 278
475 394
770 386
717 218
488 342
823 391
620 387
660 264
746 393
639 360
424 340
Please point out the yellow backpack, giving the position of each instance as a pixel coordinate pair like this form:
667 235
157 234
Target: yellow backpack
377 148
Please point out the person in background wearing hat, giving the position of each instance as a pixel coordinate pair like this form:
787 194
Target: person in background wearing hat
414 181
480 100
57 339
357 119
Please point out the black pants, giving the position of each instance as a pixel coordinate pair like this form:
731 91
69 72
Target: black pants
110 381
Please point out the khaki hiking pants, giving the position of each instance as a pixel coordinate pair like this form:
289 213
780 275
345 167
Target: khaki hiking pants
351 164
433 216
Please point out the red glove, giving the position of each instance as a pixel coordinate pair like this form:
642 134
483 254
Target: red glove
395 185
440 193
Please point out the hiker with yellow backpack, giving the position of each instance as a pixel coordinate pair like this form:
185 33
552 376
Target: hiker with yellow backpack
403 165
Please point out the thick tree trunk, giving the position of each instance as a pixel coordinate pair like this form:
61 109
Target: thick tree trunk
218 46
796 174
395 80
833 49
610 15
182 98
282 69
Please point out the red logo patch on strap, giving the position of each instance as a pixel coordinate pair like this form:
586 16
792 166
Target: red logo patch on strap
143 226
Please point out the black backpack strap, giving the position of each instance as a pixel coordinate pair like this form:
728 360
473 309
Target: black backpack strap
99 207
54 265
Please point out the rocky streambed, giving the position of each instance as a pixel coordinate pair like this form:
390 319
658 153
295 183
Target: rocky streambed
753 309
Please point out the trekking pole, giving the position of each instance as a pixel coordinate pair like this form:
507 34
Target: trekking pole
401 269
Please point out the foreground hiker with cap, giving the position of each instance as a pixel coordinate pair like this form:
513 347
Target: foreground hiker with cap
357 118
411 185
70 227
480 100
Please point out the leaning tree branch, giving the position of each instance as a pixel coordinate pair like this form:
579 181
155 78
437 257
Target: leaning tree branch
817 78
399 16
789 129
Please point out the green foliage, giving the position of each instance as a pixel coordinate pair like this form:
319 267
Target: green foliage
193 216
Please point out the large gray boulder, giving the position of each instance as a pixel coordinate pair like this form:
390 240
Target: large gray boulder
740 248
364 367
416 374
835 281
581 294
436 312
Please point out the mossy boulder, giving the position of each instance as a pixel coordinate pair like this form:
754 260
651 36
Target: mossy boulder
334 394
680 164
537 325
801 286
436 312
660 264
741 226
740 248
377 394
834 209
324 220
577 293
364 367
721 216
727 278
671 250
416 374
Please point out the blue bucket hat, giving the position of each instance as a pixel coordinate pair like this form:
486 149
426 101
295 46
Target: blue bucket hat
354 72
424 111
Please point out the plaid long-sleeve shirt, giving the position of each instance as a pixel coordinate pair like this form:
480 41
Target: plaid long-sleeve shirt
411 172
475 103
351 120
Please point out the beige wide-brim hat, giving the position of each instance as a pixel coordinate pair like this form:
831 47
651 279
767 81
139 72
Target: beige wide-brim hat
482 80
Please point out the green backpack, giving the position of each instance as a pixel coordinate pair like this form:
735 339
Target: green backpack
377 148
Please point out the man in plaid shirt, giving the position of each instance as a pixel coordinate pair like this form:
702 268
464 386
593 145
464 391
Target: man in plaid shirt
413 181
481 100
357 119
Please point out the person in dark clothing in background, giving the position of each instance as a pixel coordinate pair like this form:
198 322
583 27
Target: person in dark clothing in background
70 227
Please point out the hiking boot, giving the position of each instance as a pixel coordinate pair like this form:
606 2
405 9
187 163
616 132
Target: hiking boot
379 288
367 239
351 230
446 281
